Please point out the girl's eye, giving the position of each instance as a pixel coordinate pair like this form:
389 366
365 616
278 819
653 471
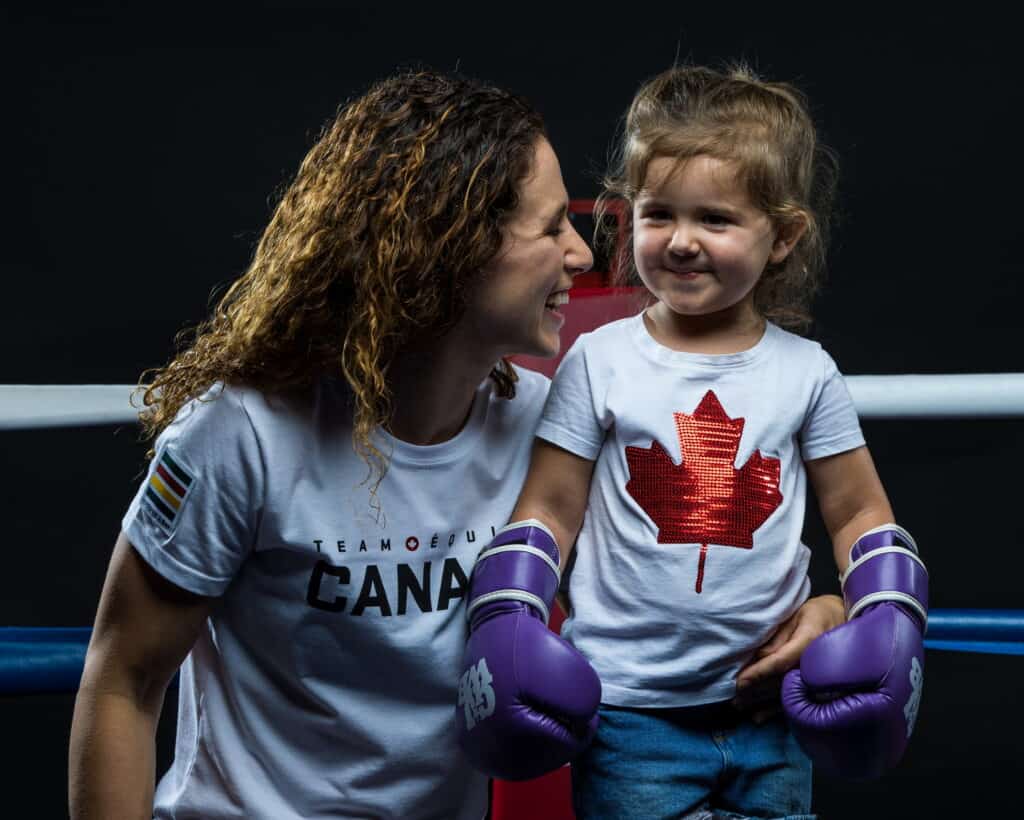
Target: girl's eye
656 214
715 220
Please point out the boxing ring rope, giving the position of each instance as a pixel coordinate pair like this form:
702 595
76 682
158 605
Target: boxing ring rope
34 660
49 659
965 395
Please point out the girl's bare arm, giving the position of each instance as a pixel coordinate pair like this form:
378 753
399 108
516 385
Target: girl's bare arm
555 493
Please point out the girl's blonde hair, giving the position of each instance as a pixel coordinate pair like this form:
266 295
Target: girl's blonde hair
372 247
761 128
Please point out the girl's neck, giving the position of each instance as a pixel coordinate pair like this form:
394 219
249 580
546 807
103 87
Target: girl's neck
733 330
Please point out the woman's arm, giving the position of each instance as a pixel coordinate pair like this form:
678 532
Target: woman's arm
851 498
145 626
555 493
758 683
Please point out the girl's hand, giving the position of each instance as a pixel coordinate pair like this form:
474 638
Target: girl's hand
758 683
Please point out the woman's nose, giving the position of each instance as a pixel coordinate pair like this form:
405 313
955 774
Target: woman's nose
579 259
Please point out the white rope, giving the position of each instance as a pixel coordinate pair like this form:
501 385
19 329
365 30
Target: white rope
27 406
964 395
970 395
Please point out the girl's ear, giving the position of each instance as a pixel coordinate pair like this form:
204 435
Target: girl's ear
786 237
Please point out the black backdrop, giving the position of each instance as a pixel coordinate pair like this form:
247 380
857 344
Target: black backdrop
142 153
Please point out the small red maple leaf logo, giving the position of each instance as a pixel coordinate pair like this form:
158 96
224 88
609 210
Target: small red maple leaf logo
704 499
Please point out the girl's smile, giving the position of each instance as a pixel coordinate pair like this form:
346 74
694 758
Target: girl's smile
701 247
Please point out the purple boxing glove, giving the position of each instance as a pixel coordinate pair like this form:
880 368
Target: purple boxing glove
527 700
853 700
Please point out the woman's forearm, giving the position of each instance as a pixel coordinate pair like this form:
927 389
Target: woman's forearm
112 756
145 627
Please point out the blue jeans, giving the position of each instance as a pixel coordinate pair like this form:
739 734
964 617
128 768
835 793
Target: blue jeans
699 762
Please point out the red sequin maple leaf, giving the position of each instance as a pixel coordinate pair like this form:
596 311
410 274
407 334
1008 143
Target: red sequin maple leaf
704 499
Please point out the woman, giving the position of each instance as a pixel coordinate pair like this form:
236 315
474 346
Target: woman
332 449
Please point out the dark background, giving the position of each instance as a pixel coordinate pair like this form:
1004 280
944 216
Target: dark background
142 152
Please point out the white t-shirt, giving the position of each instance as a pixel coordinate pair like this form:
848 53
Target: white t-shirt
324 683
695 454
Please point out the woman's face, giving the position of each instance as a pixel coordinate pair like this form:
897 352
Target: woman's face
513 309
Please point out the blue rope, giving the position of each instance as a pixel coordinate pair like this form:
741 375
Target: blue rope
50 659
980 647
983 625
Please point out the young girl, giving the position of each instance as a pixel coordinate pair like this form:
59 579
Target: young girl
686 434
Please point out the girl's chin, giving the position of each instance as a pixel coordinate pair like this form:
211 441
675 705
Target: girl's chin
693 307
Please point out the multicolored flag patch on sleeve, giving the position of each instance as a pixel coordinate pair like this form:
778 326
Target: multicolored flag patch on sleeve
168 487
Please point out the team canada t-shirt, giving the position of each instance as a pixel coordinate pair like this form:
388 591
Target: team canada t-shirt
324 683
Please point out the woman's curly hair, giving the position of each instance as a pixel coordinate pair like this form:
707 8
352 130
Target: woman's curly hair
761 127
373 246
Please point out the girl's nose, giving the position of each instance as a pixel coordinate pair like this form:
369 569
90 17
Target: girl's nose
683 242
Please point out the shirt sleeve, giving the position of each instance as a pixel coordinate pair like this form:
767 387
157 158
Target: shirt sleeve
195 515
571 418
832 425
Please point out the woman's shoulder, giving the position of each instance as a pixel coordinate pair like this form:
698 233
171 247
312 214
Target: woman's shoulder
232 409
219 405
531 386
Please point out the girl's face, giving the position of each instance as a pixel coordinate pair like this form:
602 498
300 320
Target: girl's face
700 245
514 308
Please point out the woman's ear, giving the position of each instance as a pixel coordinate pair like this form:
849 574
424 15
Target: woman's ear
786 237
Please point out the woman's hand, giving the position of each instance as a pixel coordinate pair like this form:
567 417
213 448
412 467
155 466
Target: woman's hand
758 683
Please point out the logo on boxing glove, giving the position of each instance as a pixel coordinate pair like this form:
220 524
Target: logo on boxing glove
476 695
914 701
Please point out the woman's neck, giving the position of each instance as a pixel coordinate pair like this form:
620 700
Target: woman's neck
432 390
